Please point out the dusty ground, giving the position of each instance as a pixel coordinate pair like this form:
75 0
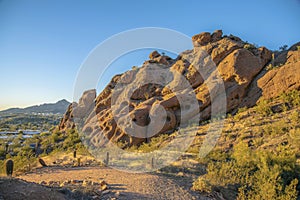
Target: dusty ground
173 182
15 189
121 185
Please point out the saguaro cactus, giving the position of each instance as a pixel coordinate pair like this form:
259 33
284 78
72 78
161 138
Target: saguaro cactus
9 167
74 153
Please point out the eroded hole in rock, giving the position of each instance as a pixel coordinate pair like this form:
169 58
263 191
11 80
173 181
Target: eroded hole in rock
146 92
124 103
88 130
168 118
187 107
142 120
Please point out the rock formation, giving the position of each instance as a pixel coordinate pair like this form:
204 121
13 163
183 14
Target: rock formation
241 66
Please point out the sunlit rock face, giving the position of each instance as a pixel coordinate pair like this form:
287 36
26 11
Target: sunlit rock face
131 101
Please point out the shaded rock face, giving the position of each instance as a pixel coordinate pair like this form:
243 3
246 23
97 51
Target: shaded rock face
82 109
67 121
136 115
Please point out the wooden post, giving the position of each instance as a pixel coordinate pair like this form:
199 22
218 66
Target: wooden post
74 154
78 162
107 158
152 162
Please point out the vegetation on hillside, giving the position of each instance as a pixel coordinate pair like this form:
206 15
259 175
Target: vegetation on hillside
15 122
258 156
25 151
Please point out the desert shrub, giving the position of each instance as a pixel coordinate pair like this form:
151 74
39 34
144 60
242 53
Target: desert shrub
202 185
134 67
292 98
154 144
217 155
122 144
250 47
272 66
295 118
258 141
71 140
294 138
255 174
22 164
238 115
56 137
276 128
283 48
26 151
2 153
263 108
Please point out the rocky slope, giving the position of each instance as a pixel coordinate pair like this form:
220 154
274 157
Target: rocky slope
241 66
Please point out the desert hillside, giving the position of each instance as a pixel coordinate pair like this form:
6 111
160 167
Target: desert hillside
248 73
256 155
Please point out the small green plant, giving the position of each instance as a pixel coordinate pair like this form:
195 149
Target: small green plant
147 95
276 128
271 67
202 185
250 47
154 144
295 118
263 108
292 98
134 68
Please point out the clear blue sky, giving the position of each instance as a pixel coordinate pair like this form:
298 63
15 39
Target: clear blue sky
44 42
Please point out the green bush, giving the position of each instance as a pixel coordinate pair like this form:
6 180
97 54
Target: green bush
2 153
276 128
263 108
255 174
292 98
250 47
56 137
154 144
71 140
202 185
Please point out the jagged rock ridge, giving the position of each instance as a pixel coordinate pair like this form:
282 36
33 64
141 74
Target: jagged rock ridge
241 66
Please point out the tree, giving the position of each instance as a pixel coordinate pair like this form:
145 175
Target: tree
283 48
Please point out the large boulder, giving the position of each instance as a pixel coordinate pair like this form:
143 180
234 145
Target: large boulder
241 66
201 39
217 35
86 104
153 55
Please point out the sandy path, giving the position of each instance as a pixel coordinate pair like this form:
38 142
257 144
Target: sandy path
129 185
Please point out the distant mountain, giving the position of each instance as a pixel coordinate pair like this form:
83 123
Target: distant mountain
55 108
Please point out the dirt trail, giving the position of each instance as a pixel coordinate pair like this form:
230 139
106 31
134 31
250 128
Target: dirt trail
128 185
